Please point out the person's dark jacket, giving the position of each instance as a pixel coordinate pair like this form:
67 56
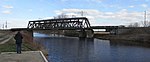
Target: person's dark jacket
18 37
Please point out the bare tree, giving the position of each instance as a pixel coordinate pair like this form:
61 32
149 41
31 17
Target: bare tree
63 15
130 25
136 24
60 16
145 23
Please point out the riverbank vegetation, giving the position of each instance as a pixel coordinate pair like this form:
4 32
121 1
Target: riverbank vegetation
130 43
27 45
141 35
10 46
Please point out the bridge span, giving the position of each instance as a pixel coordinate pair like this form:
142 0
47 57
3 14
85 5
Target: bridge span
80 24
60 24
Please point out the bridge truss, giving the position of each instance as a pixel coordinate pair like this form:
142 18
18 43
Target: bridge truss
60 24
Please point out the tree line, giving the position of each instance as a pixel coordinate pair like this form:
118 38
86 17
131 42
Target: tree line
140 24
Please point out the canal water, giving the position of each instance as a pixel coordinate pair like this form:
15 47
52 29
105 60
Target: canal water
73 49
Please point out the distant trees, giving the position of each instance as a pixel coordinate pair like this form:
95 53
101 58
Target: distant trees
133 24
136 24
64 16
145 23
60 16
140 24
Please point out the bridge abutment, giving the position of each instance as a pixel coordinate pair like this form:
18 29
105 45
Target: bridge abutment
27 33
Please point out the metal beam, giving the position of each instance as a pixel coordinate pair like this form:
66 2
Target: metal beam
60 24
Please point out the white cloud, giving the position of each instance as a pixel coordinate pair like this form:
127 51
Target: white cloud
6 12
131 6
78 11
30 10
64 0
48 18
98 1
11 23
41 0
113 6
95 16
8 6
144 5
20 24
147 0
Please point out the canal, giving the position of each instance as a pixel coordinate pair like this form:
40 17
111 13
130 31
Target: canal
73 49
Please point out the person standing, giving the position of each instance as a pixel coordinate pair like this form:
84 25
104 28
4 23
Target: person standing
18 37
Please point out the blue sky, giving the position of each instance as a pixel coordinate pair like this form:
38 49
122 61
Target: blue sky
100 12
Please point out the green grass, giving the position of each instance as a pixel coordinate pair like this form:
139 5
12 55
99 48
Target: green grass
10 46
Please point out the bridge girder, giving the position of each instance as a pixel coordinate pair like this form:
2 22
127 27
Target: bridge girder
61 24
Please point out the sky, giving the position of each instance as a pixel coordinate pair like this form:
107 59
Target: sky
17 13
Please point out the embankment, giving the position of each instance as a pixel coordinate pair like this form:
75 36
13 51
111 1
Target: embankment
7 42
138 35
28 40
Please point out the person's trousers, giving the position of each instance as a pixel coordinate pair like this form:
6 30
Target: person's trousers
18 48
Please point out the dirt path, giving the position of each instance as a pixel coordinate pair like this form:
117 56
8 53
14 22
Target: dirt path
5 37
26 56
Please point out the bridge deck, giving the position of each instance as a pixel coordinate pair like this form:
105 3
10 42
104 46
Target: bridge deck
104 27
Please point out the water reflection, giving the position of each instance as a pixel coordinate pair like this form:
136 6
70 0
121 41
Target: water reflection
73 49
124 52
85 50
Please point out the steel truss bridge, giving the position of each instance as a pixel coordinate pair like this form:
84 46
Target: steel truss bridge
60 24
81 24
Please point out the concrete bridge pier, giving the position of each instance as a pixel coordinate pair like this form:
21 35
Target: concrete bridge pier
114 31
89 33
86 34
31 32
82 33
108 30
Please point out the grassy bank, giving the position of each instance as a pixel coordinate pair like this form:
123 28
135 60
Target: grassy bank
10 46
140 35
130 43
27 45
